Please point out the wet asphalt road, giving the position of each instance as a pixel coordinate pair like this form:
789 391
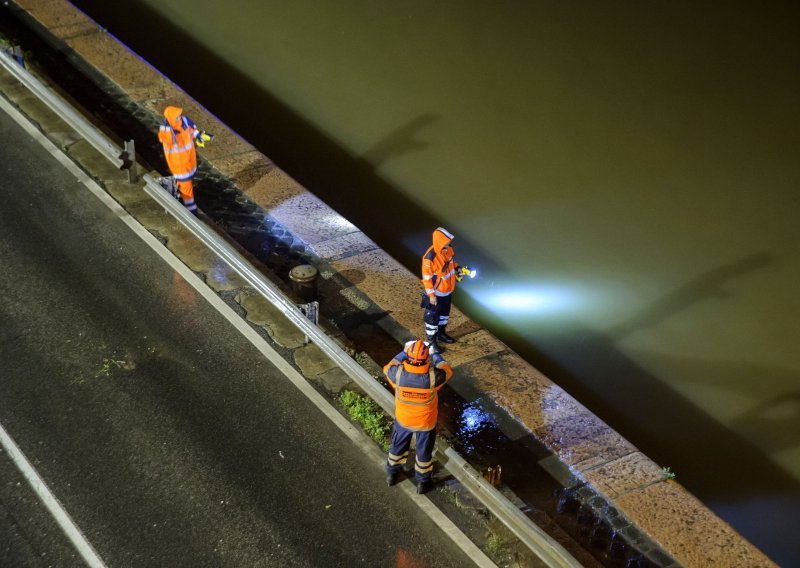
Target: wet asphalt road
167 437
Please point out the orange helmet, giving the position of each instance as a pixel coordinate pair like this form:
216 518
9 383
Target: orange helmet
417 351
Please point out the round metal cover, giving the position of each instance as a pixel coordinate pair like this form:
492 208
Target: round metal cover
303 273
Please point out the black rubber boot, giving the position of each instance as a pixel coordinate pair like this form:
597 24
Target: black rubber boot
391 478
424 486
433 345
444 338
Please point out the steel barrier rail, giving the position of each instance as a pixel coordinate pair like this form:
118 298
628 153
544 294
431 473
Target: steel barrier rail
271 292
544 546
547 549
59 106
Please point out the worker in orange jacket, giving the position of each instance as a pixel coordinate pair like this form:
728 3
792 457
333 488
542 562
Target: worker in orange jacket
416 375
178 135
439 273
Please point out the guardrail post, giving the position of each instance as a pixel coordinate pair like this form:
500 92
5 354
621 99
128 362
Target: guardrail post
17 52
311 311
11 61
128 157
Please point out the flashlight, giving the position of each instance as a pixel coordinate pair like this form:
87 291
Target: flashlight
466 271
202 138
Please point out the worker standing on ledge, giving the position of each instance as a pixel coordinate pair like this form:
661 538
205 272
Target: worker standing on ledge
416 409
439 275
178 135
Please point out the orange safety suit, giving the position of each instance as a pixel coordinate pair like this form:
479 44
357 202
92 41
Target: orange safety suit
438 266
439 271
177 135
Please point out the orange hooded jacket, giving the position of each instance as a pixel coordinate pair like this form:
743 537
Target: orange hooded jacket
177 135
438 266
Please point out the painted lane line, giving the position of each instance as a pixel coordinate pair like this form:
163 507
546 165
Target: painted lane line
49 500
360 439
36 482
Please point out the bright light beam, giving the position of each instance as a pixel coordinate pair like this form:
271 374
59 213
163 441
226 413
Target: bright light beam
524 300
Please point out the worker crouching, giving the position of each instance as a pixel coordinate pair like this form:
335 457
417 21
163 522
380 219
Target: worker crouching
416 375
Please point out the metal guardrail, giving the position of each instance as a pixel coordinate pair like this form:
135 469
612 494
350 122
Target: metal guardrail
59 106
267 289
544 546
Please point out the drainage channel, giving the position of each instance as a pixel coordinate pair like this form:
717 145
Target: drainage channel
550 495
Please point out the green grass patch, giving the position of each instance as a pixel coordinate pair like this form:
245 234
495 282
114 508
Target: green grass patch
376 423
452 496
494 545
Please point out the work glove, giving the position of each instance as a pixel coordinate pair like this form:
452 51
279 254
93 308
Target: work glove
204 137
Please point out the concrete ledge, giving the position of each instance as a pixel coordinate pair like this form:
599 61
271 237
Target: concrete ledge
593 451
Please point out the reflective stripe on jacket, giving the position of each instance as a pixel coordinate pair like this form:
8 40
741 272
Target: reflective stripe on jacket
416 400
177 134
438 266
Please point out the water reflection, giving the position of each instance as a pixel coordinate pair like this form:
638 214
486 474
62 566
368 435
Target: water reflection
219 272
476 428
524 299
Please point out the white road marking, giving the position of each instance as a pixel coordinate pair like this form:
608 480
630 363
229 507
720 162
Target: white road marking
49 500
38 485
355 435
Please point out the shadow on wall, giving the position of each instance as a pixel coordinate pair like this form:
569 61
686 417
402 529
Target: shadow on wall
602 378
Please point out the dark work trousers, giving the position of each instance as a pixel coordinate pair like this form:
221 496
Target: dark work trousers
436 317
398 451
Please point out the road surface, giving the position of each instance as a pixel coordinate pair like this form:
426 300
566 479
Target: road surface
168 438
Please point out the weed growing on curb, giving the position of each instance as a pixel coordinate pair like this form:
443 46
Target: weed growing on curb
453 497
370 415
494 545
666 474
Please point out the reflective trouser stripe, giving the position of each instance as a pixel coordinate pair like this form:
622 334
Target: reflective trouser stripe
438 315
398 460
186 176
175 150
423 467
187 194
401 442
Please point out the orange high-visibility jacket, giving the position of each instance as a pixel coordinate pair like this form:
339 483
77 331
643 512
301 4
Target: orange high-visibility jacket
416 404
177 135
438 266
